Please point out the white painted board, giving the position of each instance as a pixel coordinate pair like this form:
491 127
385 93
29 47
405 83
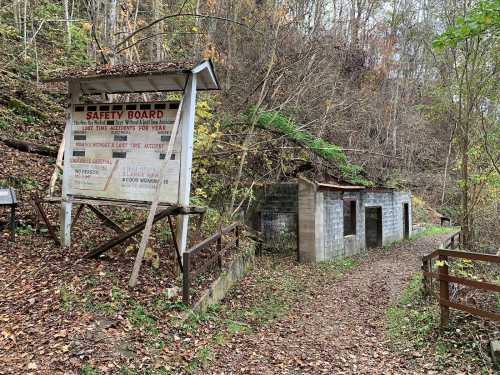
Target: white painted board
116 151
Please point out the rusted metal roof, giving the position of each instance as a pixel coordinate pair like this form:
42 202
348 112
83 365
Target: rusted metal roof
140 77
120 70
340 187
332 185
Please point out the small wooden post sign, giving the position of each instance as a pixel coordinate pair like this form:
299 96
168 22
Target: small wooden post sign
8 199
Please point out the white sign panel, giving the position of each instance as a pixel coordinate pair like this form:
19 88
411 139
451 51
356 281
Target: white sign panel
117 150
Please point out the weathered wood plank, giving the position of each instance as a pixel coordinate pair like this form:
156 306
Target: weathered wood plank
470 310
136 229
29 147
460 280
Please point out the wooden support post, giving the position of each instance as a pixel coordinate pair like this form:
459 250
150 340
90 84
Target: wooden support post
237 232
444 292
77 215
13 223
46 220
174 240
219 251
156 199
57 168
187 126
185 278
425 268
66 206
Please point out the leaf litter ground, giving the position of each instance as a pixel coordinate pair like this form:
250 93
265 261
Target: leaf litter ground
60 315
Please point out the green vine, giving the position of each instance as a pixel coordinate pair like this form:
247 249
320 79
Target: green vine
275 121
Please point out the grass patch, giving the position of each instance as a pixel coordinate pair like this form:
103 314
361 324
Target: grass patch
197 318
414 326
202 359
140 318
433 231
409 321
337 267
87 369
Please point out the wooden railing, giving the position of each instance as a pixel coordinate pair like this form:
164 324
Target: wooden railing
452 242
445 279
189 273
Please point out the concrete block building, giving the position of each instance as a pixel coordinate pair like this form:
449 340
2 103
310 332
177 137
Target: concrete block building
325 221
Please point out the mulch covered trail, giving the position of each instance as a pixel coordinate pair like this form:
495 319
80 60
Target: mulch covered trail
338 328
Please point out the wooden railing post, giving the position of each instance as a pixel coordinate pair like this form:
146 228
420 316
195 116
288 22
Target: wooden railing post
444 291
237 232
219 250
185 278
13 223
426 268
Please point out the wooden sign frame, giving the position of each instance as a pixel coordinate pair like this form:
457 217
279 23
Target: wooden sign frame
202 75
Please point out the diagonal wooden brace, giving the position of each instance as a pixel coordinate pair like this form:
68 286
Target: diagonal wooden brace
106 220
139 227
45 218
176 245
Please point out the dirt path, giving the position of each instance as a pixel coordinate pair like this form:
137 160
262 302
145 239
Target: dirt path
338 328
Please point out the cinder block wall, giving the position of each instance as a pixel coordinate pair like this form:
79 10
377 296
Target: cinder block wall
307 222
278 208
333 216
321 221
392 212
273 211
335 243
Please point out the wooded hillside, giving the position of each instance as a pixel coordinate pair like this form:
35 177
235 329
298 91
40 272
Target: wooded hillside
401 94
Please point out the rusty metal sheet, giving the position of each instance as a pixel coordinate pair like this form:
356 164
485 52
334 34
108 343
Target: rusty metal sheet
8 197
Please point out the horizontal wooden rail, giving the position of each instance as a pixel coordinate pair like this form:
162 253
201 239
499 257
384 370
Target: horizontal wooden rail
467 282
210 240
471 256
464 255
444 279
471 310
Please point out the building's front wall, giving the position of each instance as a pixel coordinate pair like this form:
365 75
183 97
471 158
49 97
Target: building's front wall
335 244
315 219
273 212
392 212
322 211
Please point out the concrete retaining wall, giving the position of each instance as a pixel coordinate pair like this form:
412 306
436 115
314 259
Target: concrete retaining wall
218 289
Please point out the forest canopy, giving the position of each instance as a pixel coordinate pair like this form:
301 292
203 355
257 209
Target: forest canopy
391 93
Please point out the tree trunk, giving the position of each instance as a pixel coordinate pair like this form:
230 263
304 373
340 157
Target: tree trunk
25 29
68 25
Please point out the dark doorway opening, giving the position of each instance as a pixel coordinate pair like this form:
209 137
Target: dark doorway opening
373 226
406 221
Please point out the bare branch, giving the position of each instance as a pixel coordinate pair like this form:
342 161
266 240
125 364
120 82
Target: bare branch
185 15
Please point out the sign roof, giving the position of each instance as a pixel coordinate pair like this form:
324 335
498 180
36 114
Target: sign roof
141 77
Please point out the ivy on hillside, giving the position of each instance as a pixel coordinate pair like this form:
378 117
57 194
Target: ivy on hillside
483 19
275 121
